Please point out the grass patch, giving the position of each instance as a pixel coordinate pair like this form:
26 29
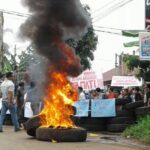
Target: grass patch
140 131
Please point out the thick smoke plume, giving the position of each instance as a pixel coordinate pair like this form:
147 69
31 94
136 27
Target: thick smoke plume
51 23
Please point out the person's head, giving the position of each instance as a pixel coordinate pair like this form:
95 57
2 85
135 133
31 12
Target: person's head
9 76
117 93
136 89
98 90
111 89
80 89
1 76
146 88
21 84
32 84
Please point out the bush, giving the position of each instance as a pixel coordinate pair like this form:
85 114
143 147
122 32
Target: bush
140 131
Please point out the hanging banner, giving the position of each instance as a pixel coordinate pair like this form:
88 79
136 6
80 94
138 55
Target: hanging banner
88 80
144 45
82 108
103 108
125 81
147 14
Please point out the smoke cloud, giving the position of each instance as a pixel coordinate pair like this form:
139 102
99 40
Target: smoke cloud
51 23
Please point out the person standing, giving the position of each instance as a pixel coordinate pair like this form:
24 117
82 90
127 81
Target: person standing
8 103
33 96
147 95
81 93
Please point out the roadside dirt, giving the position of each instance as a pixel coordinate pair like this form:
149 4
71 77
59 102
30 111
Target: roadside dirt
10 140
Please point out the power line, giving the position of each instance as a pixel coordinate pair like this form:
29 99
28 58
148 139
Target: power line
109 8
15 13
108 28
108 32
107 4
109 11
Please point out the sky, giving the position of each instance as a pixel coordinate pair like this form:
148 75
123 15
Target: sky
105 14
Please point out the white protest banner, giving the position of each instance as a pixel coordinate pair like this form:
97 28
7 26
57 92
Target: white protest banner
88 80
125 81
27 110
103 108
82 108
144 45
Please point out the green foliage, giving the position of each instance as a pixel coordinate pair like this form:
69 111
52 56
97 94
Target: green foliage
133 61
85 47
140 131
28 57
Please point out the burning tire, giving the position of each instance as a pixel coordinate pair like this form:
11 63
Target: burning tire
31 125
61 135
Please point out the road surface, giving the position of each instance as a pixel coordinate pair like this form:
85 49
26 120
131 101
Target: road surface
10 140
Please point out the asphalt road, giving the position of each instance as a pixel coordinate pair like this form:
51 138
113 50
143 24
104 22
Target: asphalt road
10 140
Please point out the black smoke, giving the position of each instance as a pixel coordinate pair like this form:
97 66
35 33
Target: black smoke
51 23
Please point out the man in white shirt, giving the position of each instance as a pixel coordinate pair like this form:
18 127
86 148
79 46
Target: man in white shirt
7 93
81 93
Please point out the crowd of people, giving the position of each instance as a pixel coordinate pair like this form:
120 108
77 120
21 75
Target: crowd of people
15 96
132 93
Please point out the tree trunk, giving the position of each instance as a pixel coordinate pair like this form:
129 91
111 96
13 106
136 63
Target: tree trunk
1 41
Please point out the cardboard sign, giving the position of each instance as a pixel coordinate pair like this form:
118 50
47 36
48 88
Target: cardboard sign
82 108
27 110
103 108
88 80
125 81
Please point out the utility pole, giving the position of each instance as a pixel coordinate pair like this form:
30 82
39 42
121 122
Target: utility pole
116 64
1 41
15 68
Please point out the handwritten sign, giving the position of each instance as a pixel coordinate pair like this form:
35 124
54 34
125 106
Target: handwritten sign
125 81
103 108
88 80
82 108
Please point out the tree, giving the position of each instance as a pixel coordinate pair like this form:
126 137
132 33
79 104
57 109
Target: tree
85 47
143 67
27 57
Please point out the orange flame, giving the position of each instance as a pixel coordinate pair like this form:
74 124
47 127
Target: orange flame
59 97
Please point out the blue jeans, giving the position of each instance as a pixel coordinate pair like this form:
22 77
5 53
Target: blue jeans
13 112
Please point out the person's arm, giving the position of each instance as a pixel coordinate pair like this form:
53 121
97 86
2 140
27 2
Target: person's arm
10 95
0 92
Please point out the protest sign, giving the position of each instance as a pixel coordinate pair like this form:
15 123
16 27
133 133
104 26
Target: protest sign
82 108
103 108
125 81
88 80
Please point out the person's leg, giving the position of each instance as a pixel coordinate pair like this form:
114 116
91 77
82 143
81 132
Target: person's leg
13 112
35 108
3 114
